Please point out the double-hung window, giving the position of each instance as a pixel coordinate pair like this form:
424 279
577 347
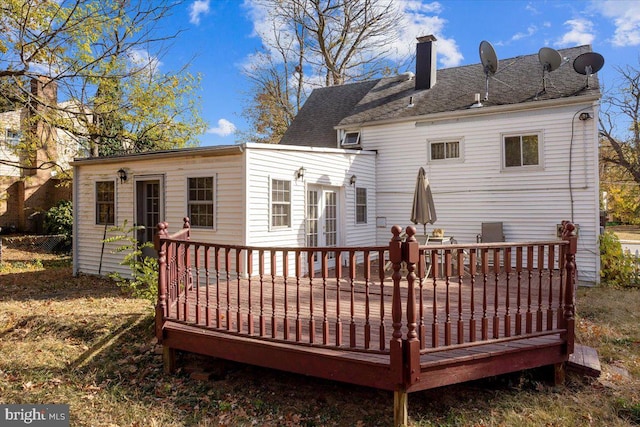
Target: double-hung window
280 203
105 203
521 150
361 205
201 201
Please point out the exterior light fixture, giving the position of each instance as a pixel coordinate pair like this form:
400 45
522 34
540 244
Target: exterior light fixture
584 116
300 172
353 179
122 174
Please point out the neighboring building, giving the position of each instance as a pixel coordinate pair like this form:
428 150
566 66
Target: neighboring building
527 157
26 193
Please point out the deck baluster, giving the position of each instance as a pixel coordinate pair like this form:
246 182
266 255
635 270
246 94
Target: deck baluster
412 256
250 327
496 300
435 327
540 274
485 274
568 234
217 267
561 258
227 268
396 351
161 306
472 272
550 264
185 281
529 286
352 298
422 329
507 300
338 270
447 274
312 321
298 256
274 273
519 295
381 276
367 302
239 293
207 284
325 319
261 279
460 266
285 273
196 261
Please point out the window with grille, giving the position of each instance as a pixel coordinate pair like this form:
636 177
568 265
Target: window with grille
280 203
445 150
105 203
201 202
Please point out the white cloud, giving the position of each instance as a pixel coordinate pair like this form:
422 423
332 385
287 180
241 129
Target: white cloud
224 128
531 30
626 18
197 9
580 32
141 59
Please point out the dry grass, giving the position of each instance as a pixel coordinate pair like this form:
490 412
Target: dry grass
82 342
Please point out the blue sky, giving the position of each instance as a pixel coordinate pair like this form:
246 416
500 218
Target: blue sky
220 36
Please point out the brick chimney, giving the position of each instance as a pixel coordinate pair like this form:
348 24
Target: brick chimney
425 62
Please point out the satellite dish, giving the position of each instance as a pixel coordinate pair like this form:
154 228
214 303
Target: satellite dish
588 63
550 59
489 61
488 58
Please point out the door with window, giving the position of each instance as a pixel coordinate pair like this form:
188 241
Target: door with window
322 221
148 211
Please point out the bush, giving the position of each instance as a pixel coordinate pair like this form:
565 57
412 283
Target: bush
616 267
59 220
144 269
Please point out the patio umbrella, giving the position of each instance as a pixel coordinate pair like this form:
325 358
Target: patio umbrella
424 210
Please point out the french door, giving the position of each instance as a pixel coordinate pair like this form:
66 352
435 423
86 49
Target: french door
148 211
322 221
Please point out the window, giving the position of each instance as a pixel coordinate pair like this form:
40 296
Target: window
280 203
361 205
445 150
351 138
12 138
200 202
105 203
521 150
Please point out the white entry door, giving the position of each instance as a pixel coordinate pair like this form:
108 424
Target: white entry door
322 220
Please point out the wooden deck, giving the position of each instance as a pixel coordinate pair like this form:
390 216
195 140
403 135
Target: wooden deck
437 315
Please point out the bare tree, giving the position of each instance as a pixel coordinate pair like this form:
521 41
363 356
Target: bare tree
101 56
621 147
317 43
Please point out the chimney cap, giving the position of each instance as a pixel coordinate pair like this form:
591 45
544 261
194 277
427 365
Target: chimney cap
429 38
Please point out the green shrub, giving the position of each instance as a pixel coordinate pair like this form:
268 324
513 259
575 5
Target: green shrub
616 267
59 220
143 282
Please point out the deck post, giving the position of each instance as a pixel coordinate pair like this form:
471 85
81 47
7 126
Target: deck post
411 255
395 346
568 234
400 408
161 248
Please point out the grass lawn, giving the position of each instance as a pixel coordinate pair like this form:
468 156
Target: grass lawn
81 341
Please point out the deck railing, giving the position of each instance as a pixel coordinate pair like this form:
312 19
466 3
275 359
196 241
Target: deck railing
370 299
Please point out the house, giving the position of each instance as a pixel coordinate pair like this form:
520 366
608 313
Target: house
249 194
518 146
26 192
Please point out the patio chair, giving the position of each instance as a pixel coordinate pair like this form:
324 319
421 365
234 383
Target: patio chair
492 232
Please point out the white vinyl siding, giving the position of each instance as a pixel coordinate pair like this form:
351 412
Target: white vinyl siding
529 201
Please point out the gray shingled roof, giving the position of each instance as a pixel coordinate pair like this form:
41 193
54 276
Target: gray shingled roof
322 111
518 80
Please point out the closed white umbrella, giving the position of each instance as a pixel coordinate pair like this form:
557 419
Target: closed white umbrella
424 210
